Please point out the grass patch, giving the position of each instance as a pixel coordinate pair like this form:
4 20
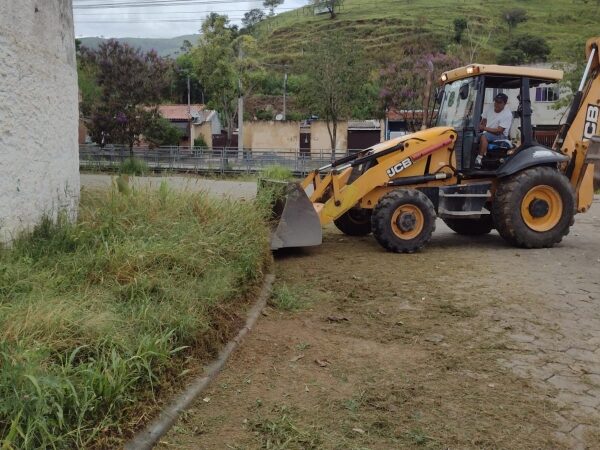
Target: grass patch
281 431
134 166
277 173
287 299
97 317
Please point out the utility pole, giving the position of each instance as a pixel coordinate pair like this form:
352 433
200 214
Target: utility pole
284 94
190 133
240 110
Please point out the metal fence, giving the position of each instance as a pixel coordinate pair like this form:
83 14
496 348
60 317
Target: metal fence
206 160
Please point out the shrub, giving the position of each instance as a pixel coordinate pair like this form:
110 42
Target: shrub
277 173
134 166
160 132
200 142
524 49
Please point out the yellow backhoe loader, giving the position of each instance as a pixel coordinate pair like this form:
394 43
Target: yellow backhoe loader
396 189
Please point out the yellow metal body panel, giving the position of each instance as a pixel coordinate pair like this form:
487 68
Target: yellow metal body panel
434 145
585 125
492 69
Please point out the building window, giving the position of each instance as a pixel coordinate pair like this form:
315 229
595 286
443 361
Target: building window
546 94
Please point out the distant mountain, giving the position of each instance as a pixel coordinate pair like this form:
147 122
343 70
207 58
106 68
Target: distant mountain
164 47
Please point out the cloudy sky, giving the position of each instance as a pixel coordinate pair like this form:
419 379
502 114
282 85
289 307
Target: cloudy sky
157 18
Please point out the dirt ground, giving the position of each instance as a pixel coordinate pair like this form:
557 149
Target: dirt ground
468 344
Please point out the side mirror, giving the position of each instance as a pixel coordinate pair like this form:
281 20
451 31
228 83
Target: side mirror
463 92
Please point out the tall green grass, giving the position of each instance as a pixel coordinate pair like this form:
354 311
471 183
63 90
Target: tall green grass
134 166
276 172
98 318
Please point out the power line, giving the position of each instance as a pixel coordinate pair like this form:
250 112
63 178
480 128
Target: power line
147 21
78 14
153 3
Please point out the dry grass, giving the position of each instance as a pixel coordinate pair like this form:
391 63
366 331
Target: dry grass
98 318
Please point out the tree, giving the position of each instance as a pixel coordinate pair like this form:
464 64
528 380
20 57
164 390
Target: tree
523 49
221 70
460 24
405 85
271 5
330 5
474 37
130 82
336 73
159 131
514 17
253 18
88 87
182 69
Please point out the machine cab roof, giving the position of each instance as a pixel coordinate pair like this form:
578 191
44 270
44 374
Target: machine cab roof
534 73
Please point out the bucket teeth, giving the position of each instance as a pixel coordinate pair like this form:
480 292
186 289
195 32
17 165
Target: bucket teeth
295 221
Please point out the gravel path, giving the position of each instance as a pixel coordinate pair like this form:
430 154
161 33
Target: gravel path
236 189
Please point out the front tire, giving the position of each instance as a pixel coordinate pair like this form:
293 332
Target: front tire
354 222
403 221
534 208
471 227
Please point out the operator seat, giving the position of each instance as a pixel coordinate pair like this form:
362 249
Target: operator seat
497 151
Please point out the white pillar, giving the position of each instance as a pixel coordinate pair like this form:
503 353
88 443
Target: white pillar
39 160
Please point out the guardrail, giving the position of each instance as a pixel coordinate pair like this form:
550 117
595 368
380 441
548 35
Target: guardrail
207 160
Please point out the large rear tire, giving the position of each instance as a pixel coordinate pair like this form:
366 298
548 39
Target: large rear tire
471 227
354 222
534 208
403 220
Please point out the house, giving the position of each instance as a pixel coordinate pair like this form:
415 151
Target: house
399 122
364 133
192 121
207 125
181 117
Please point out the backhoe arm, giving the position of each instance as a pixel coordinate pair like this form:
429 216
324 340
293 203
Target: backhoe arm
581 125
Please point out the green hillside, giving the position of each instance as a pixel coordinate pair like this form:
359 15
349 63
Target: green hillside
164 47
382 27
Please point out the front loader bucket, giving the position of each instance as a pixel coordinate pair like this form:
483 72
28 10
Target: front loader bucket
295 222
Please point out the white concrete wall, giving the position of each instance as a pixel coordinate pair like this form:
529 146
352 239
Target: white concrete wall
39 163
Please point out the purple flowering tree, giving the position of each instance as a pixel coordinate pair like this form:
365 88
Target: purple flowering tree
407 85
132 84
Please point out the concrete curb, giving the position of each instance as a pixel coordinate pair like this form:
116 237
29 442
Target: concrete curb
147 438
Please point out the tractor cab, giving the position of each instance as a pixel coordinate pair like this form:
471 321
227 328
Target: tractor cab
469 91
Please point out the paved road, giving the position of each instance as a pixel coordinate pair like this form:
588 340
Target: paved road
557 336
236 189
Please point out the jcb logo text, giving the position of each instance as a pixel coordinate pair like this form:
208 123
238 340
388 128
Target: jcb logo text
404 164
591 121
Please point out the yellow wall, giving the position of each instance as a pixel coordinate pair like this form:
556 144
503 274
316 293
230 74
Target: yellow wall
204 130
319 137
284 135
276 135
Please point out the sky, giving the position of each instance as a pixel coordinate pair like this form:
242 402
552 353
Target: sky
157 18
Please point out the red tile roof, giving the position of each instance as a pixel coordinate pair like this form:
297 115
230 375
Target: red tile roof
179 112
404 114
